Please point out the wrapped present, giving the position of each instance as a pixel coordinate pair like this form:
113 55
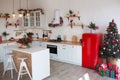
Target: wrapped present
107 73
97 67
112 67
117 77
102 72
112 74
117 71
118 74
104 66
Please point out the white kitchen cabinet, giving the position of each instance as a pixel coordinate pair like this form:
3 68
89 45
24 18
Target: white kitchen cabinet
36 19
70 54
43 44
76 54
64 53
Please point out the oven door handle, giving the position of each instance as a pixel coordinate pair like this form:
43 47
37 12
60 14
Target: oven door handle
51 46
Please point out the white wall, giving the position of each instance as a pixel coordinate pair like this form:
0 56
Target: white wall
6 6
99 11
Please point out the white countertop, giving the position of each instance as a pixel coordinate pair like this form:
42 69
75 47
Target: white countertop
31 50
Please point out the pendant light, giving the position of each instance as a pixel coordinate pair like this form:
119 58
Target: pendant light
13 14
28 14
20 14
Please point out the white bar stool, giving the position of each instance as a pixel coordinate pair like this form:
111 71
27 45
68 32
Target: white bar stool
10 65
23 68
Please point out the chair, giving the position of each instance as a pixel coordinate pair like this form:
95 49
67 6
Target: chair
23 68
10 65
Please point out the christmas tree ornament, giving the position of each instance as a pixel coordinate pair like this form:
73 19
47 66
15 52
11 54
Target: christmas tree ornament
107 42
114 52
101 53
109 49
112 25
113 41
113 46
104 48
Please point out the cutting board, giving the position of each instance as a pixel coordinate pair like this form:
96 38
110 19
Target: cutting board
74 38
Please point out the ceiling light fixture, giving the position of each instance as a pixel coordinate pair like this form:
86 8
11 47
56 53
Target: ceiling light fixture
20 13
13 14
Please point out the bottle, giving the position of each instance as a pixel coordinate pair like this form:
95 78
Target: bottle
37 35
43 35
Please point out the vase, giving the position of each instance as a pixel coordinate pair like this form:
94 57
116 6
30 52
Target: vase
91 31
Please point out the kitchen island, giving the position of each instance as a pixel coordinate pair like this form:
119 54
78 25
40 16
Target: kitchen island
38 60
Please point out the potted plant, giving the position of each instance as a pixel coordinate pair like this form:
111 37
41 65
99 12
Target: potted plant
24 42
30 34
5 34
92 26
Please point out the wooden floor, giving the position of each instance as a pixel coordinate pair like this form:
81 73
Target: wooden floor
61 71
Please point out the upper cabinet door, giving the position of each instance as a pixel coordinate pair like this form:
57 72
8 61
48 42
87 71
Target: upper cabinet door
25 21
32 19
36 19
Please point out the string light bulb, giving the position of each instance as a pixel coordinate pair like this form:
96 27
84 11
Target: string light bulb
13 15
20 14
27 14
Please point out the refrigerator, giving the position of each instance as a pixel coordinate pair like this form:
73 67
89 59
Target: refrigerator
90 49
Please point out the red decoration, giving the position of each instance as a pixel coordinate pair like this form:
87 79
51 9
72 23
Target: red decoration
112 24
113 41
37 9
107 42
103 68
115 33
113 20
54 25
112 67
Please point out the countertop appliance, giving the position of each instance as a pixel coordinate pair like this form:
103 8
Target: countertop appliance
90 49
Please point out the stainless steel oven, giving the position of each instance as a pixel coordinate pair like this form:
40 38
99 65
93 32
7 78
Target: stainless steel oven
52 48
